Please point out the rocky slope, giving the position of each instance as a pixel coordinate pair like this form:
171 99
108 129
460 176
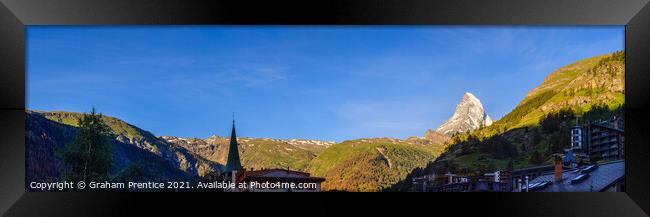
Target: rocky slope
435 137
48 131
469 115
256 153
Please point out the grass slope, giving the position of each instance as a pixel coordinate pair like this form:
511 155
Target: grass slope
370 164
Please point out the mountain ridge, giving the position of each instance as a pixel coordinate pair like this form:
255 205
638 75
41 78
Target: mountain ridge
371 164
44 137
256 152
131 135
539 126
469 115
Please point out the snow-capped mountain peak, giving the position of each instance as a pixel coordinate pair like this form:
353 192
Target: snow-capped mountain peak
469 115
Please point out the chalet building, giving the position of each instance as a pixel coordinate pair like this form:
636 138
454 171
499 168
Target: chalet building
519 176
608 176
265 180
600 139
422 183
449 182
498 181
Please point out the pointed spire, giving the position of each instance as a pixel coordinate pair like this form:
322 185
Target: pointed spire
234 162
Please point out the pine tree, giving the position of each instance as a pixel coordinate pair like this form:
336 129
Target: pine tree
511 165
536 158
89 156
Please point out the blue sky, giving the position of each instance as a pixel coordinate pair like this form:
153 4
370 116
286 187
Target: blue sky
328 83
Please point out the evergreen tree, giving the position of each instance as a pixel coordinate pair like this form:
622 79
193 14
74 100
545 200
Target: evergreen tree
89 156
536 158
491 167
511 165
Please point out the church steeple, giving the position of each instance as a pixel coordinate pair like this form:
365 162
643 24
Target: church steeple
233 152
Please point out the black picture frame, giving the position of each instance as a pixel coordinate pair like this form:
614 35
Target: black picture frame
16 14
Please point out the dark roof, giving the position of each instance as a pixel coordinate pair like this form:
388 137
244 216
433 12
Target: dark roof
549 167
233 153
599 179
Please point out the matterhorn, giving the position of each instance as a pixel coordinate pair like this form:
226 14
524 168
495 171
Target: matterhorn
469 115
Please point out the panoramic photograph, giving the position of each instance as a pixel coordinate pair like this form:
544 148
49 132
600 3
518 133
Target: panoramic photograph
325 109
